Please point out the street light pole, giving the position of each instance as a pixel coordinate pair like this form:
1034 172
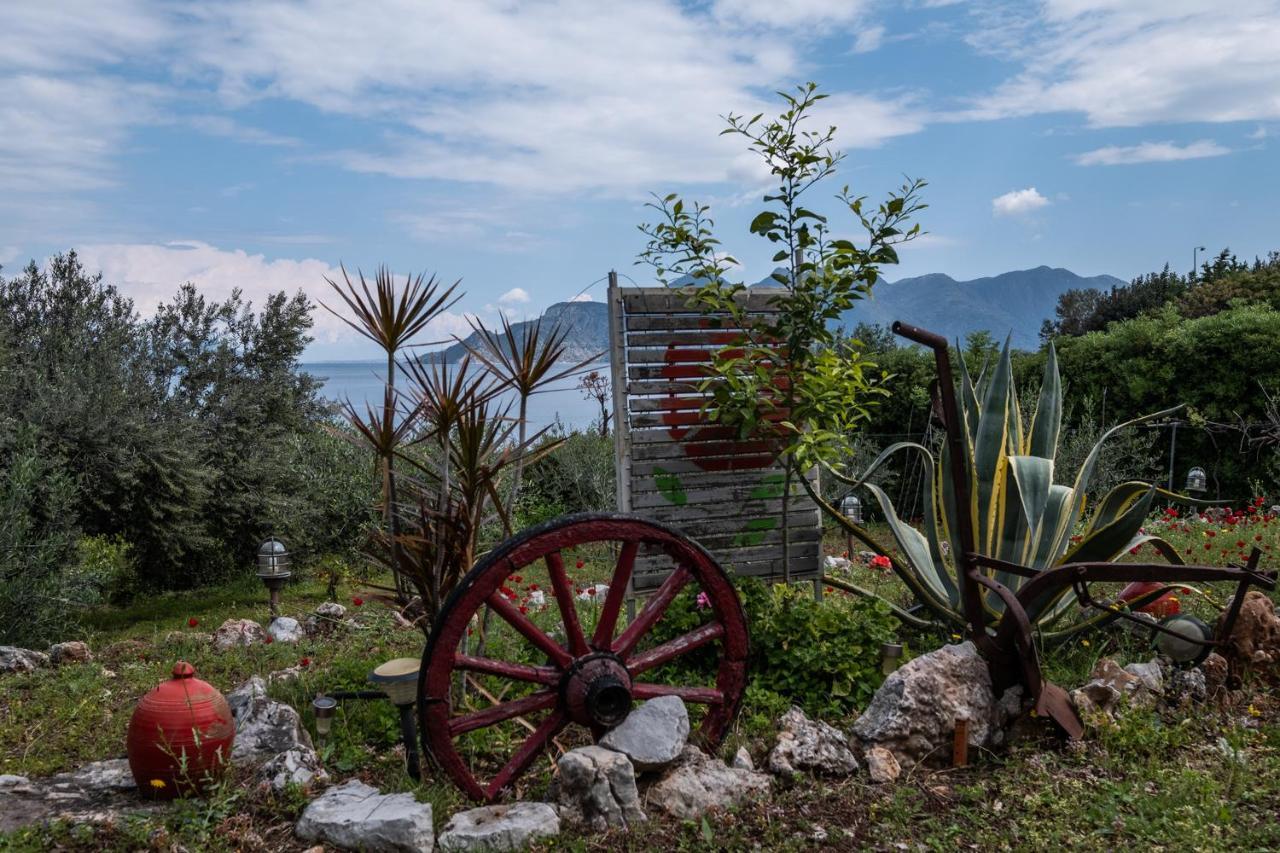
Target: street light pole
1194 259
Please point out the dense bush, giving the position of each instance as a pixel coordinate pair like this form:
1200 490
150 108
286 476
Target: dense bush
821 655
183 439
578 476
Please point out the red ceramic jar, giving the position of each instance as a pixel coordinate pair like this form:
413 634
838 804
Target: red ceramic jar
180 736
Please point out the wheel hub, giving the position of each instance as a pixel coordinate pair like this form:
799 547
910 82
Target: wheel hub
596 690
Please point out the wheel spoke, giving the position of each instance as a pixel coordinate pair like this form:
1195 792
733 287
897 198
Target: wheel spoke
659 655
527 752
701 695
532 632
508 669
652 612
568 610
539 701
617 592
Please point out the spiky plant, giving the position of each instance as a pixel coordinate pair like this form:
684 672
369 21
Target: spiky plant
1019 513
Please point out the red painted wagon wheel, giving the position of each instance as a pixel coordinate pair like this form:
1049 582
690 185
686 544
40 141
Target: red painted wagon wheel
591 680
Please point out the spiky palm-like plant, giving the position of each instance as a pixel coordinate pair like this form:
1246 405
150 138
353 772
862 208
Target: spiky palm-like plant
1019 513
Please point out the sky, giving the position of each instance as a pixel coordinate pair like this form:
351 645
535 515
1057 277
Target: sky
513 145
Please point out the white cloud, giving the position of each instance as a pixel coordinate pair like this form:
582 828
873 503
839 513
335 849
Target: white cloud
1018 202
1135 62
514 296
791 13
582 297
1259 133
150 274
229 128
868 40
1150 152
8 254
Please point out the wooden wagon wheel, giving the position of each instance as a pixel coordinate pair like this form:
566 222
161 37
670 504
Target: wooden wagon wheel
586 680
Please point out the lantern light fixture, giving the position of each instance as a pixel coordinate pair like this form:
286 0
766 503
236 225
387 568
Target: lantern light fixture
851 508
398 678
1196 480
273 569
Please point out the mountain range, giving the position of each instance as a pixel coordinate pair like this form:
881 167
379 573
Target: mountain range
1012 303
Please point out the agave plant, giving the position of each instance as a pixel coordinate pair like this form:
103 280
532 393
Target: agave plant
1019 513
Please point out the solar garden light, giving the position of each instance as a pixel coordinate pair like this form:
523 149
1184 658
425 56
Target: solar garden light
273 568
1196 480
890 657
324 707
398 679
1185 639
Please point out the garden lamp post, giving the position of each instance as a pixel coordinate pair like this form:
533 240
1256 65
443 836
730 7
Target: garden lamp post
1196 480
273 568
851 508
1195 257
398 679
890 657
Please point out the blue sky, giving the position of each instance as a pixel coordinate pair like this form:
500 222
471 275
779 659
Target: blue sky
512 145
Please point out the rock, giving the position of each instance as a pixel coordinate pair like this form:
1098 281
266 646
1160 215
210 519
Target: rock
1187 686
284 676
1111 687
1149 673
100 792
125 650
882 766
332 610
914 712
14 659
596 592
73 651
742 760
653 735
104 776
1216 670
1255 638
414 610
597 788
537 598
238 632
9 782
285 629
836 564
299 765
355 816
812 746
195 638
697 783
498 828
264 728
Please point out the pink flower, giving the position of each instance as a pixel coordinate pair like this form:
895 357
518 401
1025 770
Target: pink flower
703 601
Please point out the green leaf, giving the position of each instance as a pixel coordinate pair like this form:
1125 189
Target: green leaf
1047 421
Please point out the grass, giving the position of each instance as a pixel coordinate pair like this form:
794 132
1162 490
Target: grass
1202 778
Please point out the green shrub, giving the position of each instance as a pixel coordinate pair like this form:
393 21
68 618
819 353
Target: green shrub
106 566
823 656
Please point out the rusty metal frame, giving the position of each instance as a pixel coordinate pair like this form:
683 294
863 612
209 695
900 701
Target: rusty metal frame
1010 648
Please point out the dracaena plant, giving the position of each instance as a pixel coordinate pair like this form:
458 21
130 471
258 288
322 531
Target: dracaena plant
786 382
1023 509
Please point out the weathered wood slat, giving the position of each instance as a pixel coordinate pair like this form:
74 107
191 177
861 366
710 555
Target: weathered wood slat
688 516
706 452
664 420
668 404
721 526
653 301
687 322
640 340
738 495
684 355
690 435
761 483
669 371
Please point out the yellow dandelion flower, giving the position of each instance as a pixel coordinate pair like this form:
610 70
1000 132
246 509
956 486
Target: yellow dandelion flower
1254 712
955 637
157 783
1084 643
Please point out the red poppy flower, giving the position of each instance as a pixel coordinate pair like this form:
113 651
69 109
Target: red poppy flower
305 662
193 621
270 639
518 579
578 565
1239 543
523 609
533 587
357 601
1208 546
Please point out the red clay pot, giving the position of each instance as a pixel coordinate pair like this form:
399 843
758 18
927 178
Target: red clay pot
180 736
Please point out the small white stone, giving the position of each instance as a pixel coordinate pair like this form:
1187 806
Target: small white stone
355 816
285 629
499 828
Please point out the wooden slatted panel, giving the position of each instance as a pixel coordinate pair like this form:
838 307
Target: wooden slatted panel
675 464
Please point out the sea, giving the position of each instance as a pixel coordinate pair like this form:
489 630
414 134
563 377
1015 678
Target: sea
362 383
